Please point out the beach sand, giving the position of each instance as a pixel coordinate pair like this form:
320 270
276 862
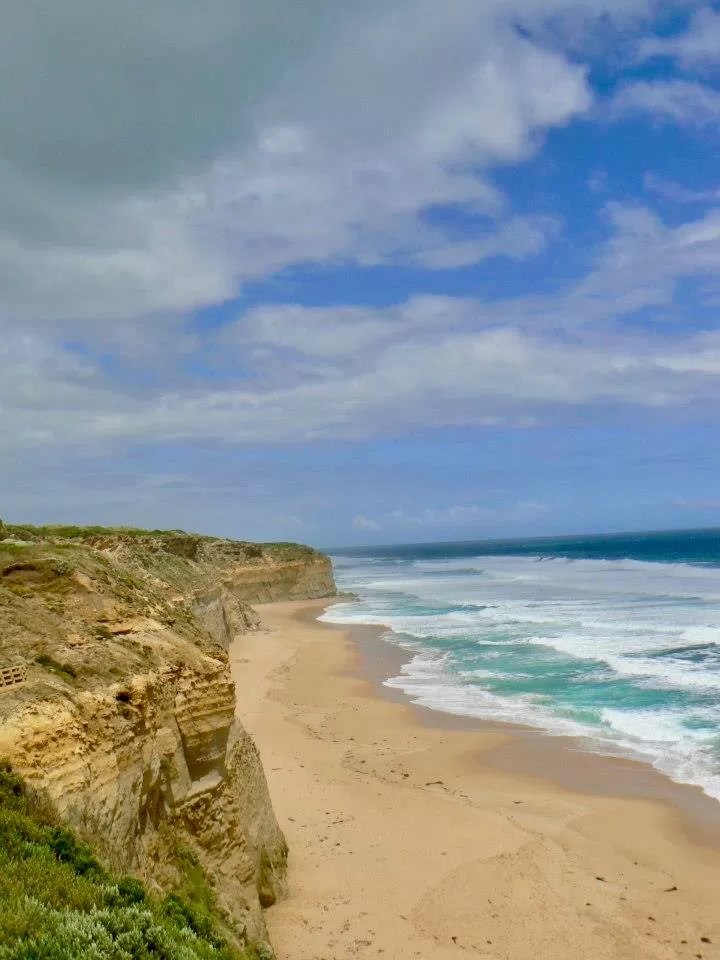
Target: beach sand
417 835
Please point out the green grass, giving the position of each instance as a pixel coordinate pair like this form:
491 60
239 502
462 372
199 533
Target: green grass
73 532
193 890
63 670
283 550
288 550
57 902
67 532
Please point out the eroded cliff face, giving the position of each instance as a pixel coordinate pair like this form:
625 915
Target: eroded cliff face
126 720
247 572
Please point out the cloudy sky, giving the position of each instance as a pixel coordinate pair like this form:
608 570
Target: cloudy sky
360 272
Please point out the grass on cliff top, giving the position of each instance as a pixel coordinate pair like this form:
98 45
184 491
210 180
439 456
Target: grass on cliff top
69 532
282 549
58 903
289 550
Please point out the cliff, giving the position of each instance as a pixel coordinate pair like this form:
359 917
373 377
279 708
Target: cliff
118 708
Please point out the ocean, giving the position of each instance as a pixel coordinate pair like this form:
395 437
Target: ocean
613 638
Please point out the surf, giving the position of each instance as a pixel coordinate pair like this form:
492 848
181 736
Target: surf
624 650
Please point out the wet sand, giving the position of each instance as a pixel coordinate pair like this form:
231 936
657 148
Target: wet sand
414 834
569 761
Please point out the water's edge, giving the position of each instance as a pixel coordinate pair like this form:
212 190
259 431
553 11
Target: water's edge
570 762
624 655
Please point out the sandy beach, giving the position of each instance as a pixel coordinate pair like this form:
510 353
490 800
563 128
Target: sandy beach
413 835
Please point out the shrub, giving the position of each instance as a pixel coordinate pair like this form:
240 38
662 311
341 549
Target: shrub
57 902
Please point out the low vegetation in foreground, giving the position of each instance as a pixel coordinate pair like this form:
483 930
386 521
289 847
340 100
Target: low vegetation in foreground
57 902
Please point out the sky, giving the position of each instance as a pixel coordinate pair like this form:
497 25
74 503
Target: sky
353 273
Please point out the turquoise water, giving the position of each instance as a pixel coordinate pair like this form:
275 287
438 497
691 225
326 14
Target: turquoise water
616 638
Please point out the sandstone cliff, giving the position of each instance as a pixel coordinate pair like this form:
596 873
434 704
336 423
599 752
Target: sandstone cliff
117 703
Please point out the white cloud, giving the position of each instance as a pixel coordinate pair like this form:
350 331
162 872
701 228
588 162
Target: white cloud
354 372
339 334
671 190
643 260
519 238
187 151
483 377
681 101
365 523
699 46
181 154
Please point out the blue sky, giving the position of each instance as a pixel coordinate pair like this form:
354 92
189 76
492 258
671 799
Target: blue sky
415 271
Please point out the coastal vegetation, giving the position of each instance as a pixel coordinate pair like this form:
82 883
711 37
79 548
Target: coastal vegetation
69 533
58 902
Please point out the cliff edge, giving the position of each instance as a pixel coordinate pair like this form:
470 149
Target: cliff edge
117 707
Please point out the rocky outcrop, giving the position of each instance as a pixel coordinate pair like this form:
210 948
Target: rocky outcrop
125 716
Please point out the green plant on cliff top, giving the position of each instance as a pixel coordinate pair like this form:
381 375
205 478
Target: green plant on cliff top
284 550
57 902
69 532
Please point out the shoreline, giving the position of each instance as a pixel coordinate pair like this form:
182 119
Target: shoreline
409 839
568 761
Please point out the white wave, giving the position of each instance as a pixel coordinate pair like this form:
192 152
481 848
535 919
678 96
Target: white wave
683 754
634 619
615 576
427 684
655 737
